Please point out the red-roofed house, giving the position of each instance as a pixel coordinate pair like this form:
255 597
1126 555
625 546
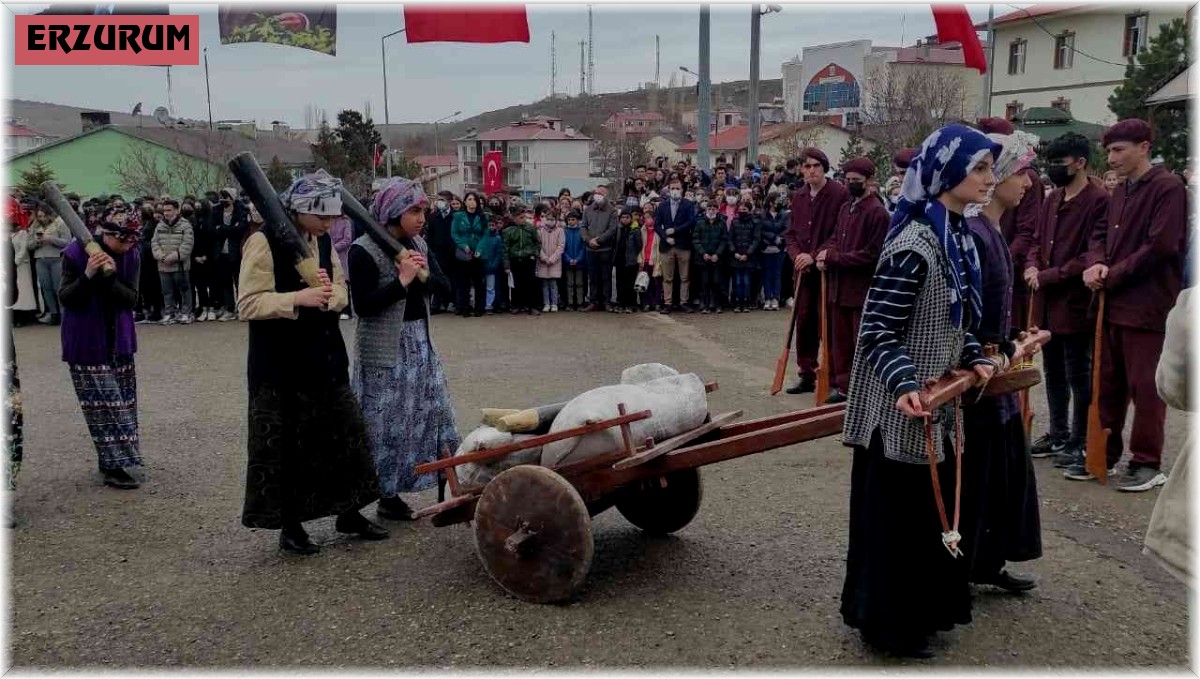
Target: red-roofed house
541 156
776 143
19 137
634 121
1069 57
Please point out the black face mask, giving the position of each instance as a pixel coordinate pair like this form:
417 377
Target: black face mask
1061 175
857 189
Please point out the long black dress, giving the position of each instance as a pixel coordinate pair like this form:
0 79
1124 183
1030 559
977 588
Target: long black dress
1000 503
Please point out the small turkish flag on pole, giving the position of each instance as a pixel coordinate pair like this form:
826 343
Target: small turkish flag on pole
466 23
493 172
954 25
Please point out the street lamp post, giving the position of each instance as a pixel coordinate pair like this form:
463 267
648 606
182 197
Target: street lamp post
702 106
755 39
386 119
435 130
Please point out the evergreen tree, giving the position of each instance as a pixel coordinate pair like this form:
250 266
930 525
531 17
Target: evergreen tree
1166 56
33 178
359 139
278 175
852 149
328 153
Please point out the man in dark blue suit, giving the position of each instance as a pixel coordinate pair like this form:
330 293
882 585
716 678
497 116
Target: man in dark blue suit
673 222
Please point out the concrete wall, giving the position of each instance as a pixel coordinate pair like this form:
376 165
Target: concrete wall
661 146
793 90
1089 82
85 165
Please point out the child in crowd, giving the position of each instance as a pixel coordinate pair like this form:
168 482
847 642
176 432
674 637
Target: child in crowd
774 223
491 253
552 242
574 255
521 249
744 236
710 240
625 256
648 264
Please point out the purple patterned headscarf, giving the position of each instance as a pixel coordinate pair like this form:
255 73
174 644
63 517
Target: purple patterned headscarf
319 193
397 196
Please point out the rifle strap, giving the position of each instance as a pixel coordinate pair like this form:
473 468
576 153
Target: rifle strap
950 535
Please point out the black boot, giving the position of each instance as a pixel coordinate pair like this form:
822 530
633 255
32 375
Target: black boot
835 396
119 478
393 509
898 644
295 540
804 386
354 523
1008 582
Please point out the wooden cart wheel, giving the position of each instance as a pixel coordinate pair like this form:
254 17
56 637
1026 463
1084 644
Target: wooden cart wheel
533 534
663 504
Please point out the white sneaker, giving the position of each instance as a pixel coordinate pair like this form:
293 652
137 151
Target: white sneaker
546 309
202 316
344 317
227 316
212 314
791 303
553 308
168 319
186 319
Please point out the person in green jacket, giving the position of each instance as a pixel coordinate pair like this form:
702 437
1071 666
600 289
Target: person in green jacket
521 249
710 240
491 252
468 226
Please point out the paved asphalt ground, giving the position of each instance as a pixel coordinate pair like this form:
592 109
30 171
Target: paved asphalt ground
167 576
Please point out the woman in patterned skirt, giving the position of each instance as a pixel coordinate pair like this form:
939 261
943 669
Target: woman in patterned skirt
98 341
397 374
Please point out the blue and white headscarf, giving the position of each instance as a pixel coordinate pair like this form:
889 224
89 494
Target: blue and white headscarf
944 161
319 193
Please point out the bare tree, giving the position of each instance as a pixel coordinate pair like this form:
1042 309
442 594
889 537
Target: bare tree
618 155
902 105
143 170
787 146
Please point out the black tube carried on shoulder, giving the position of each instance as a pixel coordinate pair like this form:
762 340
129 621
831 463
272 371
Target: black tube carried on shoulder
53 195
249 175
362 217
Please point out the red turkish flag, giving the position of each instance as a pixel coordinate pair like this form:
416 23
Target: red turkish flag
955 25
466 23
493 172
378 155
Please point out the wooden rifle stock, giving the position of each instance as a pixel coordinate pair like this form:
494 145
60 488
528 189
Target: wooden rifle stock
822 391
1026 408
361 216
1096 450
959 381
53 195
249 175
782 364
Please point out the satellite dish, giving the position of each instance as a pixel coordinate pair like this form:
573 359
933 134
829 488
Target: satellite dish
137 110
163 116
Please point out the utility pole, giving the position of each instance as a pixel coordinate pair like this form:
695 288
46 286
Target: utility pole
582 71
553 64
755 37
386 120
591 62
985 101
208 90
657 62
702 113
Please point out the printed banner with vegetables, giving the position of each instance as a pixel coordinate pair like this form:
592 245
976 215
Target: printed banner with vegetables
312 27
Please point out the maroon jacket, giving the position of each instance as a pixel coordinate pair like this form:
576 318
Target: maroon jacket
1060 254
813 219
853 250
1143 245
1020 224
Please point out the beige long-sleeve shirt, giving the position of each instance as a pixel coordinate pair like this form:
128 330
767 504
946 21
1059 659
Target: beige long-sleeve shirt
257 298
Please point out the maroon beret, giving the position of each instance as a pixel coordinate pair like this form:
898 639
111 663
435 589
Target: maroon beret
994 126
817 155
1133 130
904 158
862 166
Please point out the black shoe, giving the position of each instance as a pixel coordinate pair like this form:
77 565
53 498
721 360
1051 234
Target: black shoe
1006 581
119 478
1047 446
296 541
1068 458
665 310
899 645
357 524
804 386
689 309
393 509
835 396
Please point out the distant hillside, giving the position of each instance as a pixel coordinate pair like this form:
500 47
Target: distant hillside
585 113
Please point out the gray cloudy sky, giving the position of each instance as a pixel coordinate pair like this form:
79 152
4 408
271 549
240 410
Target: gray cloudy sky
429 81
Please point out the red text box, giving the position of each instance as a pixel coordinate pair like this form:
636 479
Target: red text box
115 40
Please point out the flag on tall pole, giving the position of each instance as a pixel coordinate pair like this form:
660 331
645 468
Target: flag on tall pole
954 25
466 23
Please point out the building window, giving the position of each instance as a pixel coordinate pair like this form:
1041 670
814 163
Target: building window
1061 104
1064 51
852 119
1012 109
1016 57
1135 34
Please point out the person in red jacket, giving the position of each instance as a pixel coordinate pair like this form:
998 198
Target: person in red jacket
1054 272
848 257
1137 260
815 206
1019 227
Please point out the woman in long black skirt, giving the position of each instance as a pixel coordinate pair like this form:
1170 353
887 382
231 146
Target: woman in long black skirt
905 578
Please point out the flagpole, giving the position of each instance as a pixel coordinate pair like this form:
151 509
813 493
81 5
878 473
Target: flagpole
386 118
990 61
208 90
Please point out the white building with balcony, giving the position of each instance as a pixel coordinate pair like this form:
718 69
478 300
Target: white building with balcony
540 157
1070 57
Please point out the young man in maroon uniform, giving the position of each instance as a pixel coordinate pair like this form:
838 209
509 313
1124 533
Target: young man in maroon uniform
1054 272
1138 262
1019 227
848 257
815 206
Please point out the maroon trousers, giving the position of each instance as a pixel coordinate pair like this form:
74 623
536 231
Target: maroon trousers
808 324
843 335
1130 357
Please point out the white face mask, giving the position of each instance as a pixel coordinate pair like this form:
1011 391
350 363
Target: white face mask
732 200
711 215
598 199
441 204
675 194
